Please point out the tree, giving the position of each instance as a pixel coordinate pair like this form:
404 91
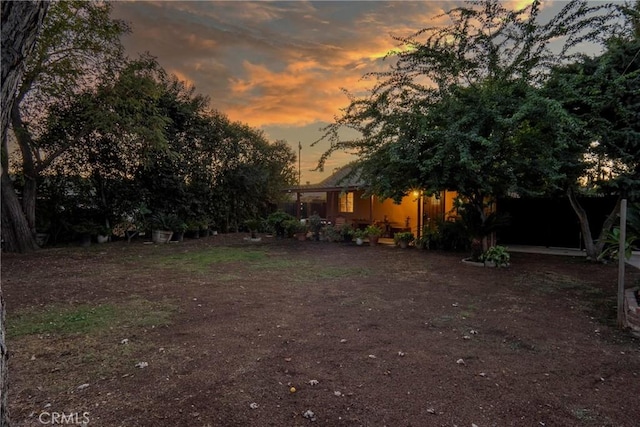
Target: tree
107 133
603 95
21 22
460 108
79 42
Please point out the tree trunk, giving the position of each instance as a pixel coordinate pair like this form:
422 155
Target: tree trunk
21 21
593 248
28 166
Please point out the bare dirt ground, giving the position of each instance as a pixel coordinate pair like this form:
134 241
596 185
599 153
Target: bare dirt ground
367 336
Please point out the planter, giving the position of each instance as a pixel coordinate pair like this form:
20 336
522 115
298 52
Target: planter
178 236
359 241
102 238
403 244
373 240
301 236
161 236
85 240
42 238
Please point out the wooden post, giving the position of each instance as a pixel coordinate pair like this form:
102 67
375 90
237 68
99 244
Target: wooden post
622 260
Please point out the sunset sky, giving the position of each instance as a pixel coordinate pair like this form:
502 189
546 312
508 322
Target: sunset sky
277 66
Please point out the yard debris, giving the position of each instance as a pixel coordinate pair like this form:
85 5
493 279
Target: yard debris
466 337
142 365
292 390
431 411
287 359
482 374
125 341
372 356
309 415
253 405
33 357
401 353
473 332
314 382
460 361
337 393
83 386
455 304
343 340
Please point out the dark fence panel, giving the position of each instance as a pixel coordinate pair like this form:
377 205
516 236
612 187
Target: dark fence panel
551 222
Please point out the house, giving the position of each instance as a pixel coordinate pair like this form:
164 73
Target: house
346 202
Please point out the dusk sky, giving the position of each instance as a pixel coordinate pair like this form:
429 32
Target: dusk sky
278 66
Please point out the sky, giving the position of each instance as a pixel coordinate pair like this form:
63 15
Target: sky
278 66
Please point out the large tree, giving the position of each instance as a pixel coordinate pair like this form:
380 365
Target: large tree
603 94
79 43
459 108
21 22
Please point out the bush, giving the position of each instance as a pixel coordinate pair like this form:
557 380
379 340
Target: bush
452 236
373 230
403 236
277 222
293 226
498 255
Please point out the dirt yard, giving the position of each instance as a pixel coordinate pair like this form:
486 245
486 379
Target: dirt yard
222 332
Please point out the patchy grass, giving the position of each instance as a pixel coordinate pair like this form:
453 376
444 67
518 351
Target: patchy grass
203 261
86 319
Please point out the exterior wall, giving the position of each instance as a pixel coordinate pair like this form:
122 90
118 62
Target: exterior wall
390 216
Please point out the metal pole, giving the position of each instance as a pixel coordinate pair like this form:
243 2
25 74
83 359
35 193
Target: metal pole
299 159
419 219
621 260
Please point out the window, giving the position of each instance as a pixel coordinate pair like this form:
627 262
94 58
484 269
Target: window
346 202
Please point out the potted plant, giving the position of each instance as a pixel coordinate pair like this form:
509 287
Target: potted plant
315 224
498 256
359 235
347 232
294 228
253 225
103 235
178 227
162 226
331 233
300 231
86 229
374 232
403 238
421 242
278 222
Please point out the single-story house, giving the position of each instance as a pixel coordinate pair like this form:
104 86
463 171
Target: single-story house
346 203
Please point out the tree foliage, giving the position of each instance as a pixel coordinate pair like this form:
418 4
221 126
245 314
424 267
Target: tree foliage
460 107
602 94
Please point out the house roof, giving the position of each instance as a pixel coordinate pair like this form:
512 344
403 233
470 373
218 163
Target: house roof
338 181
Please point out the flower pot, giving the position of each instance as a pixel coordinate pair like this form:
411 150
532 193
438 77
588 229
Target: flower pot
359 241
102 238
161 236
85 240
403 244
301 236
373 240
42 238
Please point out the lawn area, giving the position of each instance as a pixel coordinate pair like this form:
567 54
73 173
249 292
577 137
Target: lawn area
222 332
